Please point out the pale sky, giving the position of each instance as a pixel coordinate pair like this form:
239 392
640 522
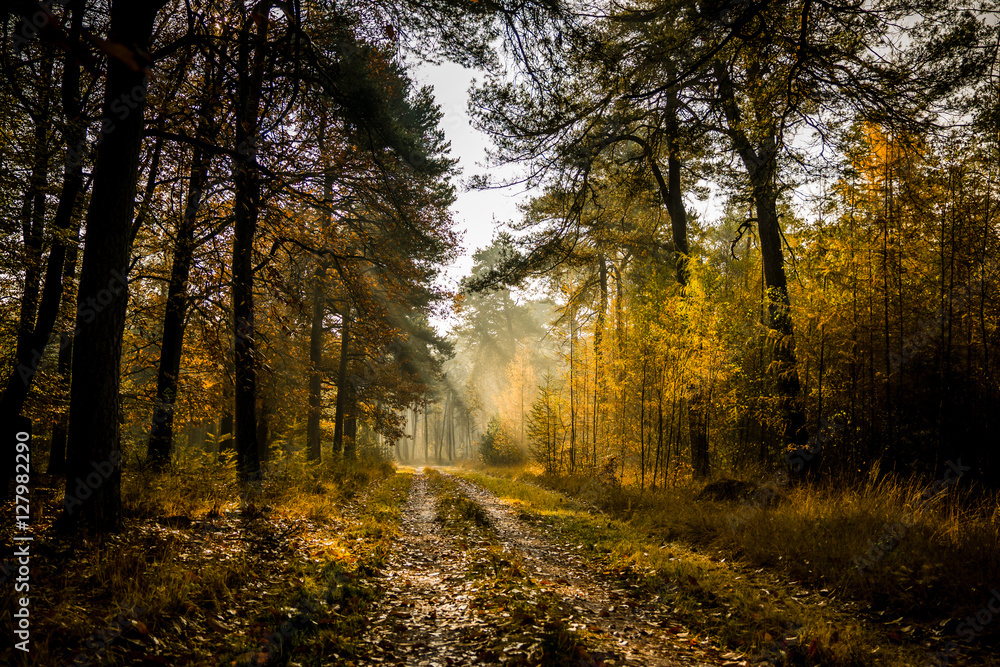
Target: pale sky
477 213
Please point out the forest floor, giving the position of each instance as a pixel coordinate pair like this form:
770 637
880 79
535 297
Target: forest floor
430 567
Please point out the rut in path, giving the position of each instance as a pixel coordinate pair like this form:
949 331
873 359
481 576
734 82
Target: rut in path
425 616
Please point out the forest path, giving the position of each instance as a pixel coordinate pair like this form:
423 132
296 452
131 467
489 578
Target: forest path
481 586
424 613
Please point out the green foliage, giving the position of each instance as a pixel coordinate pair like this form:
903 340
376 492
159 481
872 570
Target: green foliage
545 430
496 447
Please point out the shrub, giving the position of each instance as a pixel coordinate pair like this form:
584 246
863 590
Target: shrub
496 448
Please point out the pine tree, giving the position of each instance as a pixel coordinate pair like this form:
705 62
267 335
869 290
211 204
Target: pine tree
544 426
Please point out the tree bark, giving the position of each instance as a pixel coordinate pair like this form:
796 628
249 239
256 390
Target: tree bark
426 434
351 429
264 428
94 448
313 439
572 393
252 44
342 382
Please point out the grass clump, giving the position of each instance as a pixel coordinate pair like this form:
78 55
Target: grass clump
456 512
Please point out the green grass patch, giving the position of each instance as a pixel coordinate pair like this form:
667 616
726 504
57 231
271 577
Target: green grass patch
456 512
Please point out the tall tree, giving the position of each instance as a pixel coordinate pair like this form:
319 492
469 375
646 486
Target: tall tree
161 437
39 314
251 61
94 439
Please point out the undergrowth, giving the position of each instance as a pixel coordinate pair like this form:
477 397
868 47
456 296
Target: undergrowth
889 543
334 601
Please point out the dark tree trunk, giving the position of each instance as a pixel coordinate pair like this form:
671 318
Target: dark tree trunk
426 435
779 319
451 433
602 314
93 447
675 200
342 381
161 438
313 439
572 392
225 432
761 165
441 442
351 429
252 44
264 429
33 212
698 428
57 448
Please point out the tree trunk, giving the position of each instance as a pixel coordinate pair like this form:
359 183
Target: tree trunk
671 194
33 212
441 443
779 320
451 433
94 447
599 327
313 434
351 430
161 438
698 428
642 422
247 210
225 433
761 164
426 435
264 428
572 393
57 447
342 382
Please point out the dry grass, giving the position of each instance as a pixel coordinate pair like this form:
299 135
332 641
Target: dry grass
887 543
934 574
